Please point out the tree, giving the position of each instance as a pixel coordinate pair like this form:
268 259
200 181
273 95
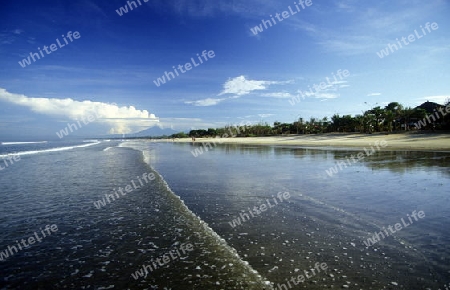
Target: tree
389 120
447 117
211 132
179 135
413 115
394 114
359 122
335 122
378 114
369 121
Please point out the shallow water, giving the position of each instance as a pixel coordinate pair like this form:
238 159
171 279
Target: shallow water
100 248
327 219
324 220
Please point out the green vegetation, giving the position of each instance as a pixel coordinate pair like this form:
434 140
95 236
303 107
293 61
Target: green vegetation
392 118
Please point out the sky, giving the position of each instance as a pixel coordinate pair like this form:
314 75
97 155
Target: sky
103 66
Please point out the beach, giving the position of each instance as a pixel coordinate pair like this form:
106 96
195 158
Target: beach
400 141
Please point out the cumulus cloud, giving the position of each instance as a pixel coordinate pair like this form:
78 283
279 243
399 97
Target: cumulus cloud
122 120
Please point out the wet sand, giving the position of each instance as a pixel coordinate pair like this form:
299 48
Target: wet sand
402 141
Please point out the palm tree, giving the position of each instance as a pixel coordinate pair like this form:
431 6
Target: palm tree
396 109
336 122
389 119
407 113
359 121
378 114
369 120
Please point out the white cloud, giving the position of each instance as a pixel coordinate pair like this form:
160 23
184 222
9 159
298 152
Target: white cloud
209 101
317 95
326 96
123 120
373 94
324 92
279 95
241 86
205 102
334 86
265 115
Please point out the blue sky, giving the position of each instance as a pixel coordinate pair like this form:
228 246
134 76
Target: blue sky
110 69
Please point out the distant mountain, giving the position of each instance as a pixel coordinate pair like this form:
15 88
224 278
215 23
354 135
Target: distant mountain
154 132
151 132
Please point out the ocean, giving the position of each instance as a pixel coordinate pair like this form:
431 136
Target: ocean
135 214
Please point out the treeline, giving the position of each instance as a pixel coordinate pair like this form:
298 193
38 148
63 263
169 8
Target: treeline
393 117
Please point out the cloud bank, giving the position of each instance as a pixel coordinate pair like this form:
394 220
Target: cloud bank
122 120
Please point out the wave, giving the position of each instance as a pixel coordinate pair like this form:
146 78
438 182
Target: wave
21 143
252 273
48 150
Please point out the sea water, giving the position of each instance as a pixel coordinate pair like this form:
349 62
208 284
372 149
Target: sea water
197 201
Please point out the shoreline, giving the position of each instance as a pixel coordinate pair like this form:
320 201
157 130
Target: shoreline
395 141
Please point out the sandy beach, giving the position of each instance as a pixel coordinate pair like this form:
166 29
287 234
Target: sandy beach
399 141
